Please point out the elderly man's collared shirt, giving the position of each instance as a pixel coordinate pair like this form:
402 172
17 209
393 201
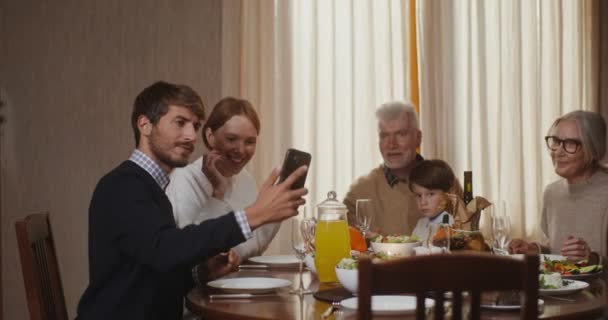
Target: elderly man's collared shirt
392 179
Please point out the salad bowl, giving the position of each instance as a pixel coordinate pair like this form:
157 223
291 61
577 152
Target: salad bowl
395 245
348 275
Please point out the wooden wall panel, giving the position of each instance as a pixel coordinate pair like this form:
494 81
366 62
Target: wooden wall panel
69 71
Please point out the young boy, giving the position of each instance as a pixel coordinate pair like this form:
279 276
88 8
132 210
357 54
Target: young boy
431 181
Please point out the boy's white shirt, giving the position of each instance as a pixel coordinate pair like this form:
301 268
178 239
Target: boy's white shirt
422 227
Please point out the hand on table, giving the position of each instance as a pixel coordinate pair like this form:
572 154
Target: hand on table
521 246
222 264
575 249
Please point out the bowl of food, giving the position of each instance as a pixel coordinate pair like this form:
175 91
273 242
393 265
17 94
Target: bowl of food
425 251
395 245
460 240
348 275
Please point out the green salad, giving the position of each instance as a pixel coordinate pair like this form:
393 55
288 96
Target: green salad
383 256
395 239
347 263
567 268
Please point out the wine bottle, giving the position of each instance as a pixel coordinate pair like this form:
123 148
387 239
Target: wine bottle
445 225
468 187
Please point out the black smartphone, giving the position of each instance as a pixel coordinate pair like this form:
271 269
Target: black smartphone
293 160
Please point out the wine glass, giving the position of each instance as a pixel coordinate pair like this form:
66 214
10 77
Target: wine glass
364 214
308 231
300 246
501 227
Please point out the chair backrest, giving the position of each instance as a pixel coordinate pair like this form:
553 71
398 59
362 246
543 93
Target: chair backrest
40 269
457 273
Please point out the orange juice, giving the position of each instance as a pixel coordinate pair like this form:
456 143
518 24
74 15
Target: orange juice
332 243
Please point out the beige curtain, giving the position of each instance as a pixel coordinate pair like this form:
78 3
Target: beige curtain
316 70
493 76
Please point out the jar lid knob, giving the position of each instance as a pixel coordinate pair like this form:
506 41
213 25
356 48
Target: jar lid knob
332 195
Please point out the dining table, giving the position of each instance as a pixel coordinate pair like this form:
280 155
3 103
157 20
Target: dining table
589 303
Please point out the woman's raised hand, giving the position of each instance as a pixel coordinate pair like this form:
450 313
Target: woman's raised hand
218 181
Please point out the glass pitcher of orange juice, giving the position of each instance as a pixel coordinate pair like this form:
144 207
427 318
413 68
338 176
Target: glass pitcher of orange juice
332 241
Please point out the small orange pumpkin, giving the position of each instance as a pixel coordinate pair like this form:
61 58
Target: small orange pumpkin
356 240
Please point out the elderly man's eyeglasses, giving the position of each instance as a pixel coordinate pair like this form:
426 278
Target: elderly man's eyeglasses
569 145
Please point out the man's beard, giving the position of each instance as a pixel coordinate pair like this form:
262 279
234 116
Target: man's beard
165 157
408 159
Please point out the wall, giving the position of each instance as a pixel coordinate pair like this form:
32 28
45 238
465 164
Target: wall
69 71
603 47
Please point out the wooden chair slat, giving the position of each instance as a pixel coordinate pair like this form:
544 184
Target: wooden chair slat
41 276
457 273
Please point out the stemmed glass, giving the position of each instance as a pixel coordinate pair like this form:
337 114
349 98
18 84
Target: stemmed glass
299 244
501 227
365 214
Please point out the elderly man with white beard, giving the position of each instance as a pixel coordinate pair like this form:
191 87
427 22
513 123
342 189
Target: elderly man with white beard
394 205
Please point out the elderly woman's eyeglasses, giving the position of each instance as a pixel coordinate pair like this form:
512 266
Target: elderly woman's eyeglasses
569 145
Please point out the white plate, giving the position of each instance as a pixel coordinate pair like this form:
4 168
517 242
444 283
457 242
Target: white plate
541 304
250 285
571 287
288 259
389 305
582 276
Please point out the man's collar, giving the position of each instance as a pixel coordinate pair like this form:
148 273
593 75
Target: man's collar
146 163
391 178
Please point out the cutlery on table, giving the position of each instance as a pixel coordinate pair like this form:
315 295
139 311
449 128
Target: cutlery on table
267 267
557 298
240 296
254 266
335 305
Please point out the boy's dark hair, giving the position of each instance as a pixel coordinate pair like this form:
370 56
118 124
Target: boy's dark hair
432 174
154 101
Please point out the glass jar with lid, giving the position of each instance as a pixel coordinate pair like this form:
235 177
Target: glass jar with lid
332 240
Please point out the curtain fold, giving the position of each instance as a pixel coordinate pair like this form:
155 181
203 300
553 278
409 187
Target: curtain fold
494 75
413 55
491 77
316 71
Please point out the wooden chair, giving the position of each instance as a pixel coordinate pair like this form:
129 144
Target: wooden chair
458 273
40 269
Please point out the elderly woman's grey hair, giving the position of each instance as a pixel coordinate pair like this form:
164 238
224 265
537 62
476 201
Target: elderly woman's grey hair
392 110
592 130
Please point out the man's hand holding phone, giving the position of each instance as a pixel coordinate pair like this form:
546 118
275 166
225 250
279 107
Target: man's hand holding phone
277 202
293 160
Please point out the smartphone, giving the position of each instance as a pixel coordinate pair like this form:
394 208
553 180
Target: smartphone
293 160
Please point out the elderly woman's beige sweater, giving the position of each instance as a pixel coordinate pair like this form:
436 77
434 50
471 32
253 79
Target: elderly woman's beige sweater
579 209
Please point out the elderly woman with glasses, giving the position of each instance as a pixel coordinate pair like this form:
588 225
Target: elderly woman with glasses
575 208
